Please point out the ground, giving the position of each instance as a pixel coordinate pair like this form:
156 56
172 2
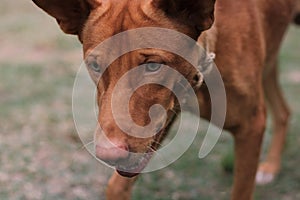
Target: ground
41 155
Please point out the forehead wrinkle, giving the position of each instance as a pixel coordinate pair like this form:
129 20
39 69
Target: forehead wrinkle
136 15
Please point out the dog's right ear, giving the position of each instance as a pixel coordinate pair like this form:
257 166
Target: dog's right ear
197 13
70 14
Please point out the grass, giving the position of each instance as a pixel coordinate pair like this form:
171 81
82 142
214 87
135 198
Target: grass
41 157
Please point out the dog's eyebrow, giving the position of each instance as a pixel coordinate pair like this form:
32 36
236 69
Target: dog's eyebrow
146 55
166 57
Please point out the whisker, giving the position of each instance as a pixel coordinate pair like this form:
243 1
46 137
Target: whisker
159 156
158 143
173 111
87 144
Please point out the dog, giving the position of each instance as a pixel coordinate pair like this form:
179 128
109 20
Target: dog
245 37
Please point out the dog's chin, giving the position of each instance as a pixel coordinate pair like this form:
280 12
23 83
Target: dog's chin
127 174
130 170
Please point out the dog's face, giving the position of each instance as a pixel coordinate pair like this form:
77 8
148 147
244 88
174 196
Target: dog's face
94 21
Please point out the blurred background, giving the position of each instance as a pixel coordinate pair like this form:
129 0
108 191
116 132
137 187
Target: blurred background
41 156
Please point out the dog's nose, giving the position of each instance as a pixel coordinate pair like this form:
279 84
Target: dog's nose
112 153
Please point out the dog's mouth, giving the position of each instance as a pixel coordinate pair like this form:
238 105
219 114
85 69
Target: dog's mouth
137 163
131 169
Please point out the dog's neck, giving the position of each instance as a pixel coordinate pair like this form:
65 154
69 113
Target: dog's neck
207 41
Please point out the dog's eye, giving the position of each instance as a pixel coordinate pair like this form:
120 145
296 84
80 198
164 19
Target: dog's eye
95 66
153 67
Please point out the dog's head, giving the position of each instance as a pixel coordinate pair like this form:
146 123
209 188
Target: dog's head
94 21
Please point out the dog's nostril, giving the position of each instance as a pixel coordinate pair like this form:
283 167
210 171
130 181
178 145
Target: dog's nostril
113 154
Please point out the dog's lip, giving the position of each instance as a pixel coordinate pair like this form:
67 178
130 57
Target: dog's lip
136 168
127 174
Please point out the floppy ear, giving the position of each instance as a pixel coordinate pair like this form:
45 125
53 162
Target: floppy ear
70 14
198 13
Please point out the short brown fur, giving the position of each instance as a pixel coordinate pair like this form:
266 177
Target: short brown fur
246 41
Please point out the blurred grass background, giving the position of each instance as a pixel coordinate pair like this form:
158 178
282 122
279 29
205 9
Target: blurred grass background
41 156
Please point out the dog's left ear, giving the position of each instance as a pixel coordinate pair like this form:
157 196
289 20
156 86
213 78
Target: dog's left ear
197 13
70 14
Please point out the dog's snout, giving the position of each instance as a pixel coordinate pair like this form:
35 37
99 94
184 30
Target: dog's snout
113 153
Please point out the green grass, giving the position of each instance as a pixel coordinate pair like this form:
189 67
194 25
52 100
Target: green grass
41 157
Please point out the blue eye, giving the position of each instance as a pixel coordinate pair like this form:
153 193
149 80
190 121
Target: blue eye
95 66
153 67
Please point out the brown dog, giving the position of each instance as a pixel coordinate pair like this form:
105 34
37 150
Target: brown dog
246 40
